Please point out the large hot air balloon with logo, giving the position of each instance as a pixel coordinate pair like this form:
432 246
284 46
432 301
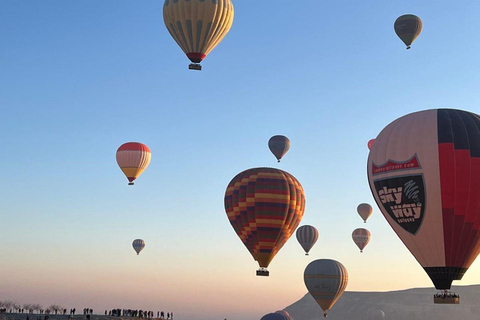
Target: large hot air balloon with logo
264 207
307 236
133 158
326 280
279 146
138 245
408 27
361 237
424 172
364 210
198 25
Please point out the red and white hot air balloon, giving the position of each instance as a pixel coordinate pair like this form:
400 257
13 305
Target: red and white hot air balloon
370 144
133 158
424 173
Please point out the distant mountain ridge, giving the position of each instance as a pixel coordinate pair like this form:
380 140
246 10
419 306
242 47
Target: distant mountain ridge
411 304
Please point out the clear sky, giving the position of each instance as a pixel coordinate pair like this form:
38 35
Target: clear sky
79 78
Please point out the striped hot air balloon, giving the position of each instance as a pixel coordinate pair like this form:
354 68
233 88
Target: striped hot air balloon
133 158
307 236
408 27
424 172
364 211
138 245
326 280
264 206
279 146
361 237
198 25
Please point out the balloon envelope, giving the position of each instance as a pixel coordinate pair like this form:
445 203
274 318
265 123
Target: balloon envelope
264 207
361 237
307 236
277 316
408 27
198 26
138 245
279 146
133 158
365 211
424 173
326 281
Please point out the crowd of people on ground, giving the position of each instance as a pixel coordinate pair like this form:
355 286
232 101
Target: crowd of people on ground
143 314
87 312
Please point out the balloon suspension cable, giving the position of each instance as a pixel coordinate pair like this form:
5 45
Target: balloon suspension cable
130 183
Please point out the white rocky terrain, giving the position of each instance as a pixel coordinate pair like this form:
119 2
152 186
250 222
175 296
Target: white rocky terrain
412 304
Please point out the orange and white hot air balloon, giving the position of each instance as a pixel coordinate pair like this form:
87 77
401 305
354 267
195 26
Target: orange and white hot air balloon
133 158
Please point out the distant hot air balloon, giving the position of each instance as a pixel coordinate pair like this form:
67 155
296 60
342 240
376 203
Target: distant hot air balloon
307 236
198 26
370 144
264 206
408 28
365 211
361 237
279 315
376 315
326 280
138 245
133 158
279 146
424 172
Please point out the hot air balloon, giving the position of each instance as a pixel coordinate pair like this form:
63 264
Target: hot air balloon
138 245
279 146
376 315
361 237
279 315
424 172
365 211
133 158
264 206
307 236
370 144
198 26
408 28
326 280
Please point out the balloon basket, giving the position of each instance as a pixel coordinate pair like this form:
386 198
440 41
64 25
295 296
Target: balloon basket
446 298
130 183
263 272
195 66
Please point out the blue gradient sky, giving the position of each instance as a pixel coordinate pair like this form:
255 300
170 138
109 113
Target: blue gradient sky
79 78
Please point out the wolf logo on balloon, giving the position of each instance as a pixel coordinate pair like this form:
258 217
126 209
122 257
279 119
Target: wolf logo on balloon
403 197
